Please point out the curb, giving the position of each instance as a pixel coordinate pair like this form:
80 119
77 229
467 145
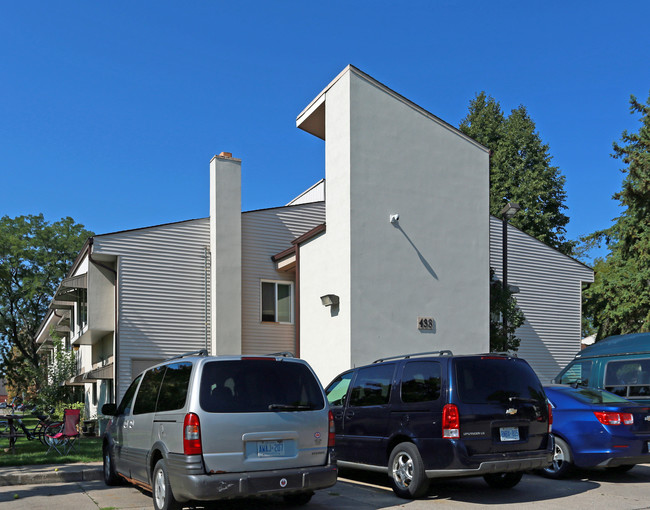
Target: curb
51 476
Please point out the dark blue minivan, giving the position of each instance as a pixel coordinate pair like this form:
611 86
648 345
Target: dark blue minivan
434 415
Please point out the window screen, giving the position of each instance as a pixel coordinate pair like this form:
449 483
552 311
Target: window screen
276 302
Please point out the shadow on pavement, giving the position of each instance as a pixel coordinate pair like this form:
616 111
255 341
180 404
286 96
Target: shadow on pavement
532 488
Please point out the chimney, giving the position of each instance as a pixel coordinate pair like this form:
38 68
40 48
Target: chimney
225 254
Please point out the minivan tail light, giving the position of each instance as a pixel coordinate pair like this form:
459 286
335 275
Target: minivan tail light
192 435
550 418
450 422
331 433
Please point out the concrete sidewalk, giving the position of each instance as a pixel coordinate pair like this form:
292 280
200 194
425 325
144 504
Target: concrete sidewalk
50 473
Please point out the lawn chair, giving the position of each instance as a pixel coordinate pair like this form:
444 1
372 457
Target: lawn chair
65 440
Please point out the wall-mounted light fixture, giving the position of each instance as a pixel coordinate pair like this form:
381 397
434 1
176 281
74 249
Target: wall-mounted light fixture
329 300
394 218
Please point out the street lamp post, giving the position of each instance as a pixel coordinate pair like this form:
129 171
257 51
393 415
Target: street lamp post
509 210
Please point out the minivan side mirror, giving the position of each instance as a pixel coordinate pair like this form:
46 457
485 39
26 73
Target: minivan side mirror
109 409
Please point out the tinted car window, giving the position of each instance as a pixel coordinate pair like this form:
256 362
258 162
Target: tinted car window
628 378
579 372
337 391
420 381
173 390
148 394
490 380
253 386
127 399
372 385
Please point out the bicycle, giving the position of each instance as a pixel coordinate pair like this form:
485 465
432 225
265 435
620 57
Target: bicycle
44 427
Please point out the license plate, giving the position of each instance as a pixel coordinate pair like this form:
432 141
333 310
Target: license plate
509 433
270 448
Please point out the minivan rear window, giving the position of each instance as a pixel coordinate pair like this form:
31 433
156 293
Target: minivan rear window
257 386
483 380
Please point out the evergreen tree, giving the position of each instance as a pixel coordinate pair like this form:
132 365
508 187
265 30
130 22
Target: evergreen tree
618 301
520 170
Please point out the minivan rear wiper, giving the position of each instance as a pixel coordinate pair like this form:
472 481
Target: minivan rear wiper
289 407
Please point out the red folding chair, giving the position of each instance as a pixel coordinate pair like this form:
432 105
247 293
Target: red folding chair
65 440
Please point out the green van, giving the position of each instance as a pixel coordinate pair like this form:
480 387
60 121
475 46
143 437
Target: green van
620 364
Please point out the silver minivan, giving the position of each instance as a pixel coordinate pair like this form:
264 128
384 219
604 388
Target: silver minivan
201 428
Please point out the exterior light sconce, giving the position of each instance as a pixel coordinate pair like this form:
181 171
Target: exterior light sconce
329 300
75 347
394 218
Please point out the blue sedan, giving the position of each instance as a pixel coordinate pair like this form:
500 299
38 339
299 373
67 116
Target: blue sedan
595 428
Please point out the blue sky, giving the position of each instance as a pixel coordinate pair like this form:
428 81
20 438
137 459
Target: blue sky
111 111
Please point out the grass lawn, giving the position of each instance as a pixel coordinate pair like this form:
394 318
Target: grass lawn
34 452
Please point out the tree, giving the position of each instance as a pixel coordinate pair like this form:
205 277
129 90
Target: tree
520 170
503 299
618 302
34 257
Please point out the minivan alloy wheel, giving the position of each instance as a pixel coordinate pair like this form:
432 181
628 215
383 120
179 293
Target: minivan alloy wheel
406 471
163 498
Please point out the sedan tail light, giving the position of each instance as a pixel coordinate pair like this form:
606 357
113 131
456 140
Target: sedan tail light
450 422
612 418
192 435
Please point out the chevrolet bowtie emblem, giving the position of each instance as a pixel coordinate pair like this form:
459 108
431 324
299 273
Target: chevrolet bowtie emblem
647 418
512 410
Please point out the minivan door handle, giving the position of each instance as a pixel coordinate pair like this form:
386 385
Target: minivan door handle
349 413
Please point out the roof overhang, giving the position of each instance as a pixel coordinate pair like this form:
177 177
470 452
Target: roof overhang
97 374
286 259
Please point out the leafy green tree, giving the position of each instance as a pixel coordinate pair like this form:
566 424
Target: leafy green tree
35 255
618 302
520 170
503 340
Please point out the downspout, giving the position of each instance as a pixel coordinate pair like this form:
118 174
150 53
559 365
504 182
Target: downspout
116 343
297 286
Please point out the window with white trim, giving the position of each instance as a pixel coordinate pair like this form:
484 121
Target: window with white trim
277 301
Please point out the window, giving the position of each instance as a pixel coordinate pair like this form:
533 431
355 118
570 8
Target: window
496 380
577 373
174 387
421 381
148 393
277 302
372 386
258 386
127 400
338 389
82 309
629 378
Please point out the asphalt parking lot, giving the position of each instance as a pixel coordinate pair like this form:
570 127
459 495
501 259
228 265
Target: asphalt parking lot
360 491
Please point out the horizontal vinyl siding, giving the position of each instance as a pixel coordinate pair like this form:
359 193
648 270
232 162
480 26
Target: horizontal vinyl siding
161 291
264 234
550 297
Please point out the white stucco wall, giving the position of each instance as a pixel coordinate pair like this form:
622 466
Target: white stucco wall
385 155
325 262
